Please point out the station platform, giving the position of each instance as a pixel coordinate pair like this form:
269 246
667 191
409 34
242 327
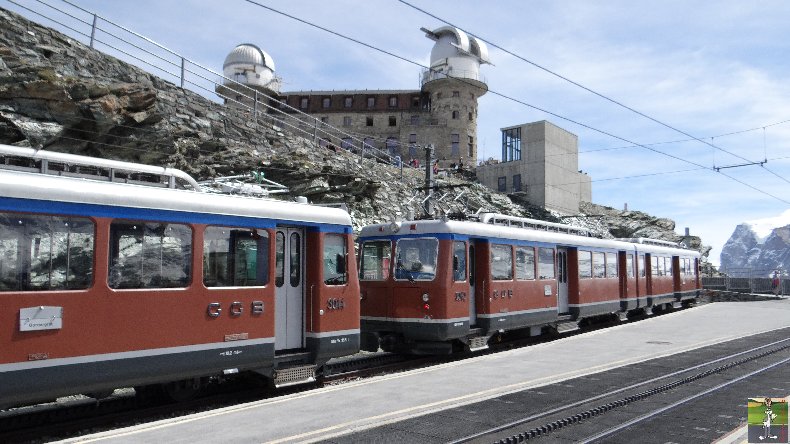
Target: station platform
333 411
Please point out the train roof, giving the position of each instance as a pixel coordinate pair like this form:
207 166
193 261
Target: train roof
490 231
56 189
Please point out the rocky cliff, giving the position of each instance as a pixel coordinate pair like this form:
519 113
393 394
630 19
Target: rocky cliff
746 254
58 94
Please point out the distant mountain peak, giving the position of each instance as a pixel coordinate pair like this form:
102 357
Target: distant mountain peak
753 250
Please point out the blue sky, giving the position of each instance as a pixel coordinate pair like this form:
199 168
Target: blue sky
706 68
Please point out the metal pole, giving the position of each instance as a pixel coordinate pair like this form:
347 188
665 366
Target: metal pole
315 129
93 30
429 180
256 105
182 72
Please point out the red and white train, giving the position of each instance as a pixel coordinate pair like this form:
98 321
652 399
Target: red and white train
128 282
434 286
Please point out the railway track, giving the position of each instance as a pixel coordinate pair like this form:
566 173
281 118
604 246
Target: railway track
576 421
82 415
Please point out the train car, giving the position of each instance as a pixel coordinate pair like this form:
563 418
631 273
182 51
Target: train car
124 282
436 286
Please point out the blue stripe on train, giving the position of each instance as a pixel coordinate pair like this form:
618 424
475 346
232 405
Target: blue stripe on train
119 212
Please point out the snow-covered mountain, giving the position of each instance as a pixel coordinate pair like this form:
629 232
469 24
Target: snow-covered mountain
757 249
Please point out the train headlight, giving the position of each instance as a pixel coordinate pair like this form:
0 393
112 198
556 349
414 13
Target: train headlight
425 297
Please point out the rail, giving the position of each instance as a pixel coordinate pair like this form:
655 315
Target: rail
143 52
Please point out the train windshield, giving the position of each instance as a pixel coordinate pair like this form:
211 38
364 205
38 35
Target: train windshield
374 264
416 259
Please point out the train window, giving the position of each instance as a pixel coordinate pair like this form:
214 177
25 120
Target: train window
279 260
585 264
295 264
415 259
654 266
501 262
668 266
599 268
611 265
641 265
335 258
629 265
375 260
459 261
235 257
45 252
546 263
525 263
149 255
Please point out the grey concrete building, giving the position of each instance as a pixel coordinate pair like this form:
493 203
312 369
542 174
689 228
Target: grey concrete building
442 112
540 160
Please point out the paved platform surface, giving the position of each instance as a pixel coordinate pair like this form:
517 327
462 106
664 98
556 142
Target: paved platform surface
339 410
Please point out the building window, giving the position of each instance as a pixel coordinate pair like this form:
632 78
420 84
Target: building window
501 185
368 143
392 145
368 121
456 94
415 102
348 102
371 102
346 143
511 144
471 145
413 138
455 114
303 102
455 142
326 102
393 121
516 183
347 121
470 116
415 120
393 101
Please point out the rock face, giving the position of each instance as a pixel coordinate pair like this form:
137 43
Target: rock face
58 94
745 254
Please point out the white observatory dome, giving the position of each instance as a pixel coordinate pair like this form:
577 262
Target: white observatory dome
455 53
250 65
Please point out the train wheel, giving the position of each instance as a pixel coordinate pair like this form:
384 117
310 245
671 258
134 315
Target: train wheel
101 394
183 390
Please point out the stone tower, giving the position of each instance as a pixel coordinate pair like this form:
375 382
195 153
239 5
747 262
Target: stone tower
453 84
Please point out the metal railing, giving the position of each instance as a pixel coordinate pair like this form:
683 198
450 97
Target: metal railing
764 285
132 47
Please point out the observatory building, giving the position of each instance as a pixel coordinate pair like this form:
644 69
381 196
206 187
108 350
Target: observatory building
539 160
443 112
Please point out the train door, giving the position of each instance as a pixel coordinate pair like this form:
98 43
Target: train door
472 276
562 280
289 292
